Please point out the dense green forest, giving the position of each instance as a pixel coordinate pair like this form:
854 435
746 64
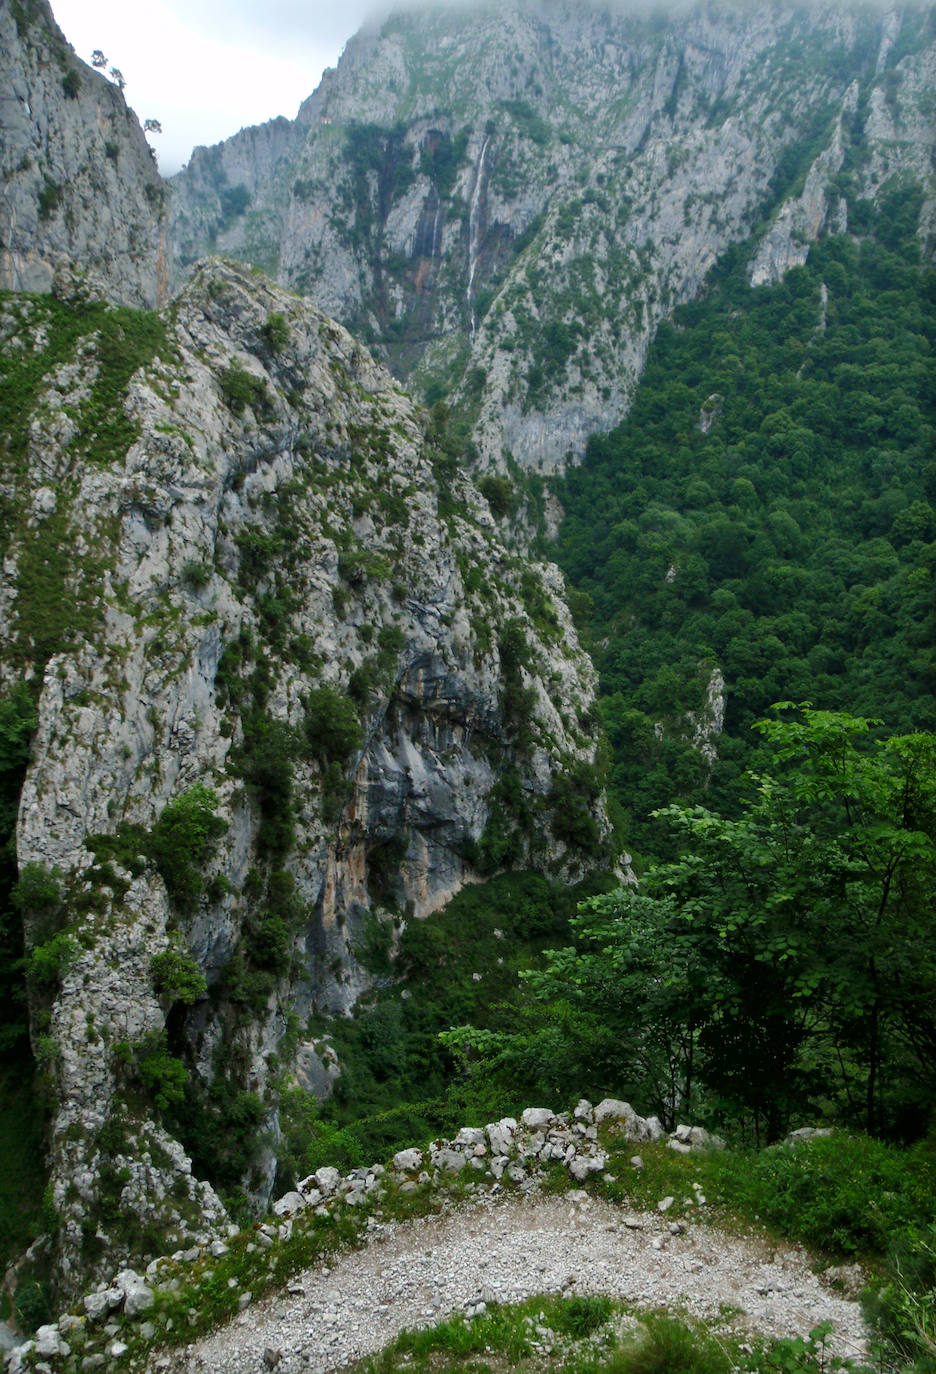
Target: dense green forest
780 970
766 508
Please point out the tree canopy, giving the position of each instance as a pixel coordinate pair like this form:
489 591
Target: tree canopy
782 964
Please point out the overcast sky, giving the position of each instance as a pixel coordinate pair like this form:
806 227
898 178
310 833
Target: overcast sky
206 68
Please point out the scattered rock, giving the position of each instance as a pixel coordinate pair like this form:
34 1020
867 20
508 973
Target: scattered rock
407 1160
288 1204
537 1119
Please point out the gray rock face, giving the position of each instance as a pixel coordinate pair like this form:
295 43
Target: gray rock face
516 195
80 185
278 613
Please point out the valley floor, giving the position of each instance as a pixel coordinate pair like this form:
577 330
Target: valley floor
419 1273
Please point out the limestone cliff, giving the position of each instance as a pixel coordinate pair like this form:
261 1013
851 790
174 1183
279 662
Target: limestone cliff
79 182
286 669
507 199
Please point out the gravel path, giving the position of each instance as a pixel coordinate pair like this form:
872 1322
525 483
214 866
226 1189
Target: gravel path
420 1272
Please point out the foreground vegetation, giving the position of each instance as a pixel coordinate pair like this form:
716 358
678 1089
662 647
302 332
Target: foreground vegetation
595 1335
781 970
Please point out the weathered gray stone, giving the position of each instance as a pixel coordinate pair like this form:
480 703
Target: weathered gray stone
501 1135
98 1304
81 190
137 738
537 1119
613 1109
407 1160
48 1343
451 1161
470 1136
582 1166
687 208
289 1203
327 1179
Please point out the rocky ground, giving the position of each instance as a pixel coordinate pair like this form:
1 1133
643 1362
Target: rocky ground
505 1250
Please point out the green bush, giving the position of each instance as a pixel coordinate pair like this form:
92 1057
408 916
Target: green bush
573 797
499 493
804 1355
266 761
845 1194
177 977
160 1075
182 841
275 332
664 1344
49 961
234 202
241 389
332 729
903 1309
32 1302
217 1124
271 942
196 574
38 895
50 198
579 1316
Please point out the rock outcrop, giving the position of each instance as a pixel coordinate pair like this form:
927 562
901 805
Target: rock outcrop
80 184
509 199
285 663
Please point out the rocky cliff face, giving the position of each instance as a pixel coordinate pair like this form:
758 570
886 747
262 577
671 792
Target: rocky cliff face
508 200
287 674
80 184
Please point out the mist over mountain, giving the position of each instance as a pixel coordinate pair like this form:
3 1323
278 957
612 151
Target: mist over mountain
504 202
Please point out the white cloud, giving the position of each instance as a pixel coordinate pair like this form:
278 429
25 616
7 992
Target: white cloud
205 69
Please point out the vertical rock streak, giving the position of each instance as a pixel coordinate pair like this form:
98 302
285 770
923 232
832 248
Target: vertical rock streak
474 234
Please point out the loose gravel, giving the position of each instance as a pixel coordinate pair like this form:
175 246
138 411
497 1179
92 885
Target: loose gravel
417 1273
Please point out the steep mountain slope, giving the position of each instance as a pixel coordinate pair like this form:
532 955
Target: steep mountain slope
765 518
269 710
507 200
80 184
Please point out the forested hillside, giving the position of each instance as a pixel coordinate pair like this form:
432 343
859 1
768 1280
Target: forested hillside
766 512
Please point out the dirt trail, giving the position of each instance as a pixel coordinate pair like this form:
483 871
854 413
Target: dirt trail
419 1272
